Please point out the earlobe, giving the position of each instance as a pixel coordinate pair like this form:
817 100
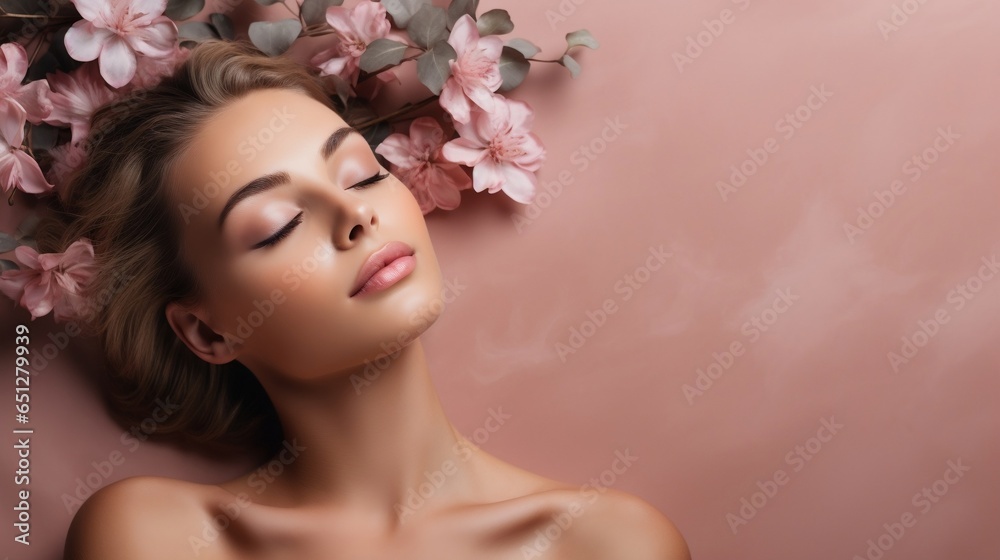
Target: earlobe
199 336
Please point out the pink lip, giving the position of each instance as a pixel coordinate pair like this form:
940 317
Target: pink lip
384 268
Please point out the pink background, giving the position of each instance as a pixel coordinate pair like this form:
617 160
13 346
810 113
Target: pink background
652 183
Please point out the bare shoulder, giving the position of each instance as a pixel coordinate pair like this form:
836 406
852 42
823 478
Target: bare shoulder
610 523
146 517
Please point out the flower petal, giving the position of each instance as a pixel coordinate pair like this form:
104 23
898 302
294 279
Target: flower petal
396 149
426 135
463 151
117 62
464 34
488 176
454 101
34 97
13 66
90 10
84 41
519 184
157 39
31 178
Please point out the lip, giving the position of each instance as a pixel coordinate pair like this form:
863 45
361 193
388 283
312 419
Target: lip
378 260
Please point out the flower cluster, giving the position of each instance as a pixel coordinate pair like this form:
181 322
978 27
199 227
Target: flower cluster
465 135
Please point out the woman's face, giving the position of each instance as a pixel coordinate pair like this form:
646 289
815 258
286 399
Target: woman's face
280 270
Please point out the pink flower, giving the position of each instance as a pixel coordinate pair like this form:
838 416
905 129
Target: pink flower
75 97
51 281
150 71
417 161
502 152
475 74
17 168
356 28
115 30
31 98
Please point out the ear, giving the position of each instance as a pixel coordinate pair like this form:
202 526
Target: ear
194 331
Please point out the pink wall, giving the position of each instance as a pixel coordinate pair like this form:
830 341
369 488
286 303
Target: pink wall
820 356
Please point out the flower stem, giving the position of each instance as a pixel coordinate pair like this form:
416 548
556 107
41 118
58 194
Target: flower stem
398 112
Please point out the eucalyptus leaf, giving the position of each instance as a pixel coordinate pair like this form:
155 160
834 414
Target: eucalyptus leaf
223 25
274 37
314 11
402 10
495 22
459 8
433 68
513 68
183 9
381 53
268 2
581 38
7 243
428 26
525 47
196 31
571 64
8 265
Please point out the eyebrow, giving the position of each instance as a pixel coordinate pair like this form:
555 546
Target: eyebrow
278 178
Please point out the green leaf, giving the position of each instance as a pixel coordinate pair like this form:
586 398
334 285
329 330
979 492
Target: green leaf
428 26
183 9
7 265
274 37
513 68
433 69
459 8
223 25
381 53
581 38
495 22
268 2
571 64
314 11
402 10
525 47
7 243
196 31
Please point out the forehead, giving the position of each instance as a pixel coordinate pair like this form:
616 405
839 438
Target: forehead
244 139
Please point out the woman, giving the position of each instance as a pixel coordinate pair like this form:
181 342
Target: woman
279 280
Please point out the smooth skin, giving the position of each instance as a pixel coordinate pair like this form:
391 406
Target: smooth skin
359 442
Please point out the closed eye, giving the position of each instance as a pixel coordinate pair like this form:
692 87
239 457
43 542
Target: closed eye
282 233
371 180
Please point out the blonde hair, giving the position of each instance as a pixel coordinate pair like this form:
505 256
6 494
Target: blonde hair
117 199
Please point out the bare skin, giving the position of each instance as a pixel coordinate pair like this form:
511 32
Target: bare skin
372 467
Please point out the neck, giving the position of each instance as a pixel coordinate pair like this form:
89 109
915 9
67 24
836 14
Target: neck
371 440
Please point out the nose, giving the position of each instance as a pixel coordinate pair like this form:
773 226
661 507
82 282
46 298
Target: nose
354 218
